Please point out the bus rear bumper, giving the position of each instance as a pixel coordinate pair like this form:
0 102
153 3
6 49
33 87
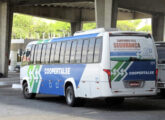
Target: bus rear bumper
126 94
134 94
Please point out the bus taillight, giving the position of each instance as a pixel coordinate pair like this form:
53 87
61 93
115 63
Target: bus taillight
109 76
156 75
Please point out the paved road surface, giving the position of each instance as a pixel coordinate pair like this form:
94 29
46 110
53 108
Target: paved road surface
14 107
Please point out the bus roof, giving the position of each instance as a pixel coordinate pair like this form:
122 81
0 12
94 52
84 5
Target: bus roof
64 38
75 37
89 34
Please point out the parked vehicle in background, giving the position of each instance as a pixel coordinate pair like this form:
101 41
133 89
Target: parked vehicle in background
161 66
91 64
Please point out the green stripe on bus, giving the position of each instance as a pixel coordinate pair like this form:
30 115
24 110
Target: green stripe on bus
30 75
37 80
117 66
125 65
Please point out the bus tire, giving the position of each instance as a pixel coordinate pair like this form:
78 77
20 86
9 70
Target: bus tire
70 96
26 93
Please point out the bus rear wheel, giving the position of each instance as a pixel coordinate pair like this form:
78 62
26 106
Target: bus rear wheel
26 93
70 96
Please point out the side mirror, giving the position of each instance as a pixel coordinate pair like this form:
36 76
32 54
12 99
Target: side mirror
20 52
27 53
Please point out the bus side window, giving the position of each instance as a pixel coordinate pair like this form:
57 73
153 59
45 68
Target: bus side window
43 54
90 56
98 47
68 51
35 55
32 54
39 54
52 55
57 55
62 53
48 51
85 51
79 51
28 55
73 52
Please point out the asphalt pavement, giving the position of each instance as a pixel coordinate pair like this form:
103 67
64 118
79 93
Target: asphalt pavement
14 107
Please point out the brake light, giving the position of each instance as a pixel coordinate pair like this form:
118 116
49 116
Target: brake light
109 76
156 75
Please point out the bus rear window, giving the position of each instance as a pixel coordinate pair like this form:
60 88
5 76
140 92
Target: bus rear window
131 48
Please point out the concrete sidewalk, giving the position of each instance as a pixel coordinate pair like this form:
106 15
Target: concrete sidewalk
13 78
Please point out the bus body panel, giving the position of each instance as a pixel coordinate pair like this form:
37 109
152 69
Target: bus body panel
51 79
105 52
133 65
54 77
140 72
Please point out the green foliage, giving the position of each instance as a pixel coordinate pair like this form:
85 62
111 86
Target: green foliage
89 26
34 28
30 27
130 25
146 28
62 28
22 26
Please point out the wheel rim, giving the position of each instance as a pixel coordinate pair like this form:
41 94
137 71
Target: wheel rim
26 91
69 96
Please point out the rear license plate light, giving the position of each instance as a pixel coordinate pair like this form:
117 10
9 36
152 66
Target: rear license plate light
134 84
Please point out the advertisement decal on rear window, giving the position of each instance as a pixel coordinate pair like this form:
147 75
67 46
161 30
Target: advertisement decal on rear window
127 49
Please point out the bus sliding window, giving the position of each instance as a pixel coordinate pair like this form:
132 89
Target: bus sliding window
57 55
79 51
53 51
85 51
62 53
68 51
73 52
91 51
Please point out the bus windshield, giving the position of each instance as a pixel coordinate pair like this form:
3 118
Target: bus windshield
131 48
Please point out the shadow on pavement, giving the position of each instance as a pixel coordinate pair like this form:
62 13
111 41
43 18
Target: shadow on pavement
130 104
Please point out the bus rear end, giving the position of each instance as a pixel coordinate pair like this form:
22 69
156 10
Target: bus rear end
132 64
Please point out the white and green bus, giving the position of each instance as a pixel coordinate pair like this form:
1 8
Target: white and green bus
91 64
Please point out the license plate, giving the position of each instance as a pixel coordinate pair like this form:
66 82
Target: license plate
134 84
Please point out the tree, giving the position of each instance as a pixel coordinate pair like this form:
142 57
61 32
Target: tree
62 29
22 26
130 25
25 26
146 28
89 26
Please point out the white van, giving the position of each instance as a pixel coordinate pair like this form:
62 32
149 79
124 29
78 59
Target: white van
91 64
161 67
